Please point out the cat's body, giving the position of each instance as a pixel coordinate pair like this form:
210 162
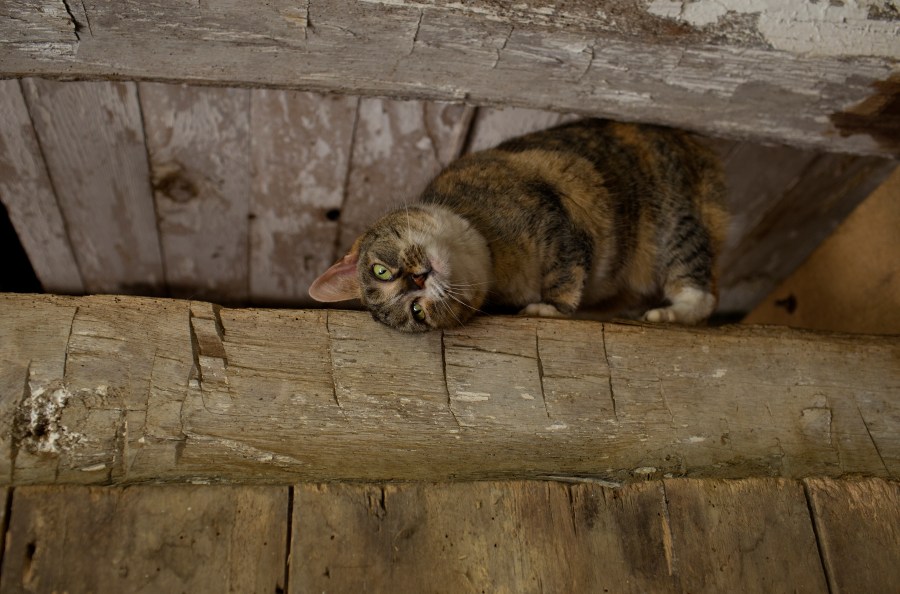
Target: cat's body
591 213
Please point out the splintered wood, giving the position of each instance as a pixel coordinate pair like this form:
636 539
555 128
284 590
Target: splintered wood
117 390
673 535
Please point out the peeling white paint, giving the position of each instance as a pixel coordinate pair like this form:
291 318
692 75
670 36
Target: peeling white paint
644 470
694 439
472 396
799 26
557 426
720 373
94 468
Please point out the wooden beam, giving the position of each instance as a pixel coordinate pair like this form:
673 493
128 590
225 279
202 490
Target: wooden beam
121 390
814 74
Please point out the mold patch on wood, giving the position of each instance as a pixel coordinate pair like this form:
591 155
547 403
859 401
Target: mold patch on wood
39 424
878 116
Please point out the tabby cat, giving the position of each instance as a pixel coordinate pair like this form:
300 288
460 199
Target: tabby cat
621 216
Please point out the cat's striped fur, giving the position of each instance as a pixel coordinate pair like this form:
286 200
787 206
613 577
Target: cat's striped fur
596 212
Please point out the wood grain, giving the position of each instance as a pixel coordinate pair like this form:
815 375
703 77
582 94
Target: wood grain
140 389
198 142
858 523
147 539
93 142
498 537
40 27
777 73
743 536
29 197
300 150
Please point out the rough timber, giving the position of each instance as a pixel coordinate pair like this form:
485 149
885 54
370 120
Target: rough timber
103 390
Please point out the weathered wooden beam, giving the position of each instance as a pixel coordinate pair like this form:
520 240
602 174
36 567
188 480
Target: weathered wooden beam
820 74
122 390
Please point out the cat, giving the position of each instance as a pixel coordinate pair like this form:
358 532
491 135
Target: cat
595 212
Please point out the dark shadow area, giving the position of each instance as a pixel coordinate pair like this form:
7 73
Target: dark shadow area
16 273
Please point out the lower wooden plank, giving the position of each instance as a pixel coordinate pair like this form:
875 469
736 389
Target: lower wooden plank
477 537
743 536
146 539
672 536
5 494
858 523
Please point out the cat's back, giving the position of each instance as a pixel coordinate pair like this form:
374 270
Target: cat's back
606 196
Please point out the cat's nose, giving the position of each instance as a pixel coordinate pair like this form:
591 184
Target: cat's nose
419 279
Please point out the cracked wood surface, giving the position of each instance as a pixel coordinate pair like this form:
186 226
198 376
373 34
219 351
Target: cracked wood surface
119 390
672 535
811 74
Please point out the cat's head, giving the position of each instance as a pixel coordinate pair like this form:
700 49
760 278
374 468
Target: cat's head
418 268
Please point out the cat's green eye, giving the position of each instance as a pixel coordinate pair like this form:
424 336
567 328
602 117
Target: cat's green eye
381 272
418 312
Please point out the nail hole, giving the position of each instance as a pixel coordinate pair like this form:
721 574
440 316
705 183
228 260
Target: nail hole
789 303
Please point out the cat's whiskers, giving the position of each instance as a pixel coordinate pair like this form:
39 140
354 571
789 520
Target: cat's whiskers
449 310
463 303
408 226
466 285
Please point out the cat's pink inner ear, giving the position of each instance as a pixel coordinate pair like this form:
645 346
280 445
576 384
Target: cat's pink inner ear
339 282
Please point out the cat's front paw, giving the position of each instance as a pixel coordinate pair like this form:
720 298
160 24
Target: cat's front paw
662 314
542 310
689 306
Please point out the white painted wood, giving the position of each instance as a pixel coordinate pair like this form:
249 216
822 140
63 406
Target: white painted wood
300 151
493 125
770 70
398 147
93 143
39 28
27 193
198 140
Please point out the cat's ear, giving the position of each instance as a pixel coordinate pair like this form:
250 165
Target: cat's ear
339 282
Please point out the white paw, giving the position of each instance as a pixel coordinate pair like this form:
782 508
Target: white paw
662 314
689 306
543 310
